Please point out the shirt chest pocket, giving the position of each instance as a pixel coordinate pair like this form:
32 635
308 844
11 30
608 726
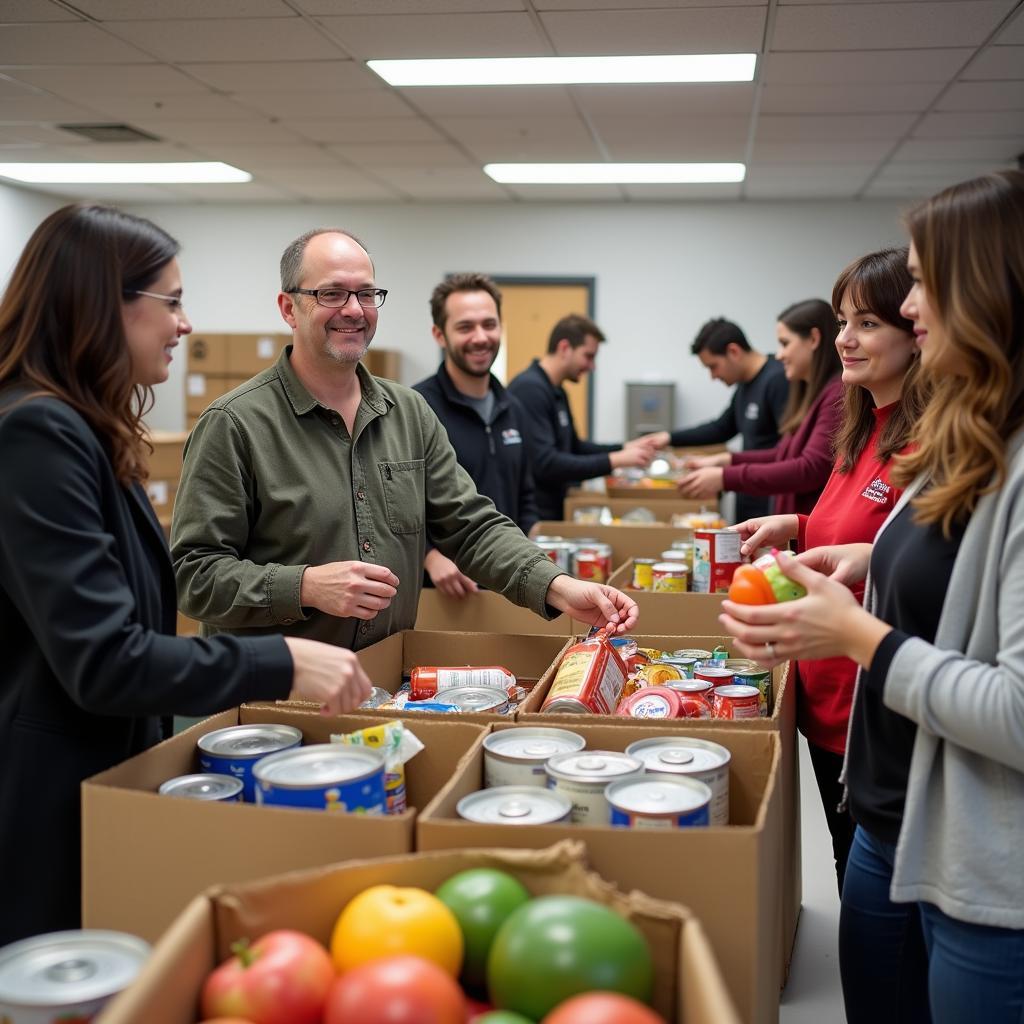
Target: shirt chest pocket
404 494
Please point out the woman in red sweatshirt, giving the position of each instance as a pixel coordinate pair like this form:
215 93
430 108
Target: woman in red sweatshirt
883 399
796 469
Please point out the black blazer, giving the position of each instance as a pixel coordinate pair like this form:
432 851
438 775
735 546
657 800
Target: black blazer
90 660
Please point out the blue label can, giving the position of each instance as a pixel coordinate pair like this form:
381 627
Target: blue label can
664 803
323 777
233 751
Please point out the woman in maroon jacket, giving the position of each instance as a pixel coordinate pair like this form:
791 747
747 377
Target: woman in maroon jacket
795 470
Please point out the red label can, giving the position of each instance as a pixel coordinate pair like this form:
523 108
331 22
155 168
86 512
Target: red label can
714 675
736 702
716 556
426 680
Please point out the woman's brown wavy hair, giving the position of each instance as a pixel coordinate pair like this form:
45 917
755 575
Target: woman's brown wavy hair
878 282
970 244
802 318
61 329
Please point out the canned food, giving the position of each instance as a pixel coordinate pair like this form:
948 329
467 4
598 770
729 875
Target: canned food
582 777
643 578
650 702
66 975
482 699
716 556
625 647
558 550
425 682
204 787
323 777
695 759
378 696
658 803
694 653
736 702
234 750
515 757
659 673
590 680
515 805
669 577
749 673
685 666
715 675
592 560
694 697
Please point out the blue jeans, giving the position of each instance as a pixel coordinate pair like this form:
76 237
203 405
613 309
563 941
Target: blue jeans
882 959
975 972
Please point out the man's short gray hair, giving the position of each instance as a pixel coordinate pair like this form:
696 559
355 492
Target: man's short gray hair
291 258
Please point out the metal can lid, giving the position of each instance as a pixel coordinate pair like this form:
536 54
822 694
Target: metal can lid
696 653
473 698
714 672
323 764
675 568
533 744
253 741
689 685
203 786
738 665
592 765
514 805
737 691
658 796
679 755
645 561
64 968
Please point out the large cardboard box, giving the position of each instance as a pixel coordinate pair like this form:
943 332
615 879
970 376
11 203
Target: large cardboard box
144 856
728 876
688 984
663 507
671 614
248 354
207 353
384 362
485 612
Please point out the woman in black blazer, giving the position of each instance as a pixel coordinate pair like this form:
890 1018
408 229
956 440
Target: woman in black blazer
87 602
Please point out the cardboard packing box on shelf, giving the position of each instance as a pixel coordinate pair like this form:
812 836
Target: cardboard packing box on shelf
383 362
663 503
144 856
248 354
484 612
781 719
688 983
727 875
207 353
202 388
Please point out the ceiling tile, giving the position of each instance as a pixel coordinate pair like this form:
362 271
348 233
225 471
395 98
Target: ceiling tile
238 132
183 10
566 193
81 82
406 155
443 183
956 149
997 62
886 26
868 67
11 86
838 127
333 192
937 173
40 107
814 152
242 192
676 147
202 107
129 152
666 100
438 35
326 7
641 131
269 39
822 188
517 150
844 175
701 30
13 11
379 103
108 193
984 96
1008 123
78 43
1013 34
683 192
494 101
254 158
644 5
900 190
331 76
357 130
317 176
526 129
848 99
41 133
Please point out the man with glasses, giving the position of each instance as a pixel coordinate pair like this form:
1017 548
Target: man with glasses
307 493
485 424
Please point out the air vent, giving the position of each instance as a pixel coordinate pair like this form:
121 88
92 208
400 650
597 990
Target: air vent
109 132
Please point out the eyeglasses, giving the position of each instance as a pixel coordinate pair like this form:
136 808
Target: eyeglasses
174 303
335 298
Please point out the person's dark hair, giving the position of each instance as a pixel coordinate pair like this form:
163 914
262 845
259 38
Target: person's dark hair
802 318
61 327
469 282
878 283
291 258
575 329
716 335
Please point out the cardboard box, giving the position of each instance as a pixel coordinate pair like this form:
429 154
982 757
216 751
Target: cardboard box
627 541
202 388
144 856
248 354
728 876
671 614
663 507
186 626
383 362
207 353
485 612
688 984
165 460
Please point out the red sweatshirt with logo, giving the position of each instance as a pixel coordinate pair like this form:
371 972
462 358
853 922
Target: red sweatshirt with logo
850 510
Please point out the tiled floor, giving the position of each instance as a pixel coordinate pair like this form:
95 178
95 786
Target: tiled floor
812 994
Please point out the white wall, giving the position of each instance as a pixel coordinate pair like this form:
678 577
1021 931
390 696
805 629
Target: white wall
20 213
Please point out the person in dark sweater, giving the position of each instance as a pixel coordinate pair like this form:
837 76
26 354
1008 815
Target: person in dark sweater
758 405
485 424
794 471
932 919
560 458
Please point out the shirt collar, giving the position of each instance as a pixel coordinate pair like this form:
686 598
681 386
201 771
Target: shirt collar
302 402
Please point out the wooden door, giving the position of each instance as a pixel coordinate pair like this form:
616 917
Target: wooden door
528 313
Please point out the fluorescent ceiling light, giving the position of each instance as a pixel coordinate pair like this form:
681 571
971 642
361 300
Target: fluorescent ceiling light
123 174
614 174
694 67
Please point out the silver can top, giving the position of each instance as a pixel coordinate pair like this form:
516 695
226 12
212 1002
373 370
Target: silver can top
514 805
323 764
592 766
65 968
737 690
473 698
204 786
677 755
658 796
241 741
692 654
532 745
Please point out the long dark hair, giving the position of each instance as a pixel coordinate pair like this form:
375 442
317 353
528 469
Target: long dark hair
878 282
801 318
61 329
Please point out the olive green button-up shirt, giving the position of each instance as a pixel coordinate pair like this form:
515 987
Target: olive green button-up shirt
272 482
